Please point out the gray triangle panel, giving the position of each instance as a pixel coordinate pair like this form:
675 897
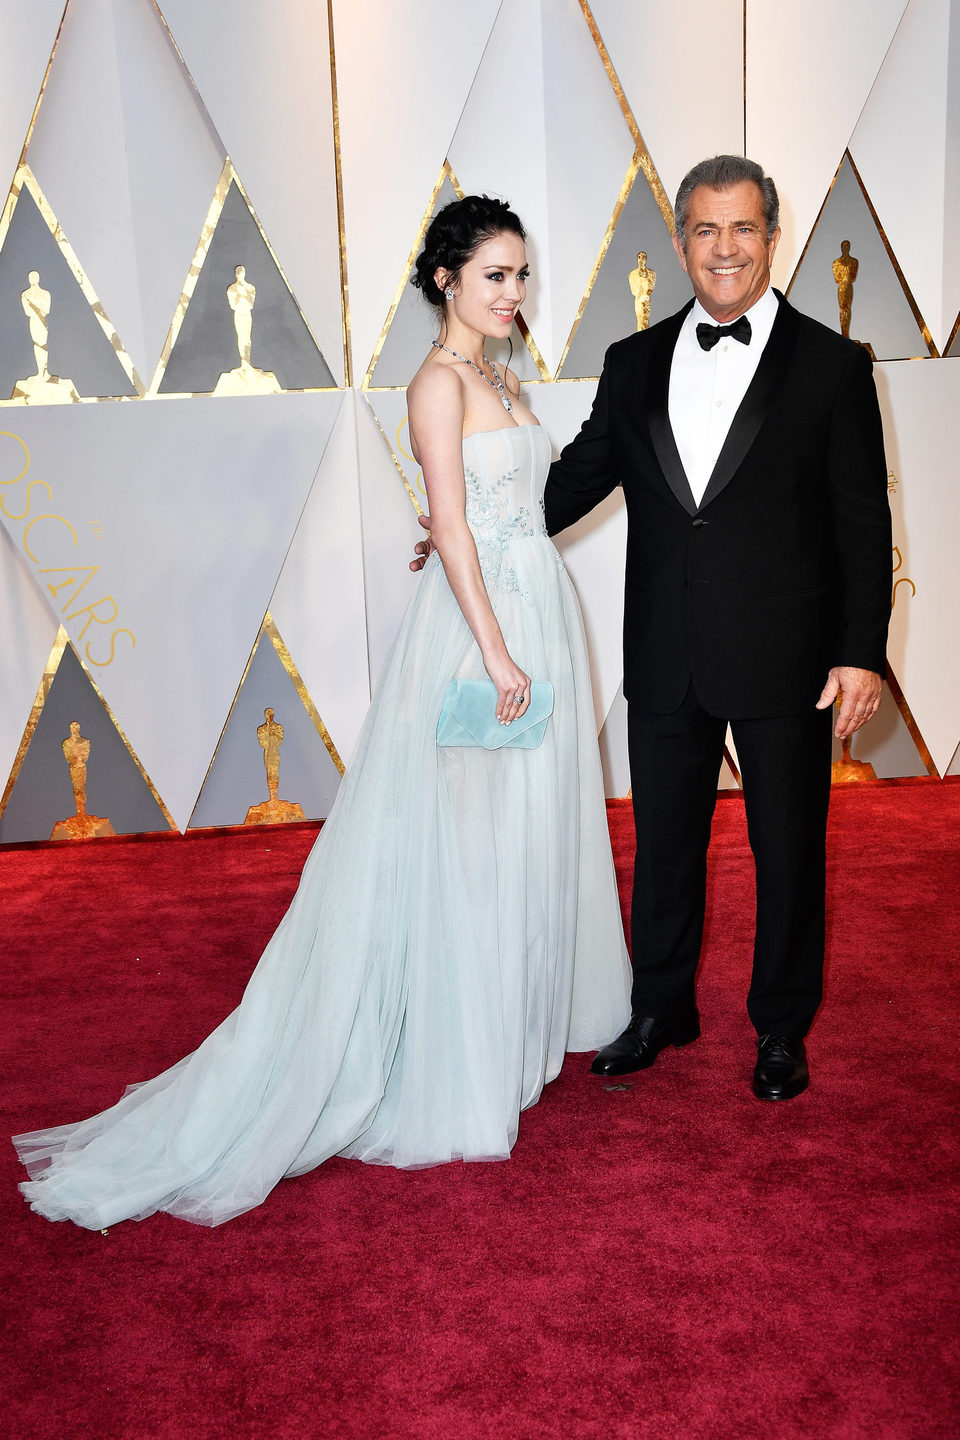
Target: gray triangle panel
43 793
237 779
881 316
206 345
78 349
609 313
414 326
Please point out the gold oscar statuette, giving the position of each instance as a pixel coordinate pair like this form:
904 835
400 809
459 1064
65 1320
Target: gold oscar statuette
41 388
246 379
846 770
845 269
642 281
76 752
272 811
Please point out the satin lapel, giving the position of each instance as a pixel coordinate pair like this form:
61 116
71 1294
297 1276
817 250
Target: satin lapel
658 417
757 401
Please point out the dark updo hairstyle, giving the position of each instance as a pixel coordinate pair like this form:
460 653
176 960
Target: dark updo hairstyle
455 234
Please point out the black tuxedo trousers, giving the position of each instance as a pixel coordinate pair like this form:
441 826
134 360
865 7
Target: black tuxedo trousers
735 610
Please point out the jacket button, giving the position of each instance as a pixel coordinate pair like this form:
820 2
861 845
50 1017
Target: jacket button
698 523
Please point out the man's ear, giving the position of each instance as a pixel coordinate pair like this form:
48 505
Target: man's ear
772 244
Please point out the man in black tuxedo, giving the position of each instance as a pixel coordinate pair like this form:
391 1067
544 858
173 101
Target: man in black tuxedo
748 443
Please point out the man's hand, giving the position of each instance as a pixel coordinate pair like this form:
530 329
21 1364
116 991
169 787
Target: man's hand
859 692
423 548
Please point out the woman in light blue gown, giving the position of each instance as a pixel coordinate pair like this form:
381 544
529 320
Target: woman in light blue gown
456 929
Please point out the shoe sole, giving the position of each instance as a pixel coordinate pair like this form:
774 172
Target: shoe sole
788 1094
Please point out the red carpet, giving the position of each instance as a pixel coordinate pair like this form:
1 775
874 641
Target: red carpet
668 1259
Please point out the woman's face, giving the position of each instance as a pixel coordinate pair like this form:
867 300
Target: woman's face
492 286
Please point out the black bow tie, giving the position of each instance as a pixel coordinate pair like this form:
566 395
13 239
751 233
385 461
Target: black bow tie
708 335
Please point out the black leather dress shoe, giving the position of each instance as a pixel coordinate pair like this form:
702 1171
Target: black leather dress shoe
642 1041
781 1070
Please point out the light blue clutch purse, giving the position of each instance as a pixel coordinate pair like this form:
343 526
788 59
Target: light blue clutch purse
469 717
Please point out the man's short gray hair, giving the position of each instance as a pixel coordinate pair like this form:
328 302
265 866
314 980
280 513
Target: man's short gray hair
722 172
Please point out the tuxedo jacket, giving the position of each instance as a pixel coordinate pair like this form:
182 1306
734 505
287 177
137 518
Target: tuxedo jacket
784 568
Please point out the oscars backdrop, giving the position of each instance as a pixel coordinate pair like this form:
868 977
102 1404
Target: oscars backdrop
207 495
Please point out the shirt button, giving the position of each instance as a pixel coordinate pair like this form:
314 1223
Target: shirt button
719 403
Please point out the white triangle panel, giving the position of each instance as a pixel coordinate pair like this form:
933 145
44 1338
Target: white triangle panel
29 627
508 93
263 72
951 196
389 408
402 80
564 179
177 515
126 156
899 149
594 550
809 68
668 56
921 409
27 35
318 605
589 147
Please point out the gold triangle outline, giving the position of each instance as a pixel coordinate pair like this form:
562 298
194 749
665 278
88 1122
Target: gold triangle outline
633 169
269 629
641 160
393 455
24 179
341 220
306 700
228 176
921 324
645 159
40 93
732 767
61 641
923 750
344 292
446 173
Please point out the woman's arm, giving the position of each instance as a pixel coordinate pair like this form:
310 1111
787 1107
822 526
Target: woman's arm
436 409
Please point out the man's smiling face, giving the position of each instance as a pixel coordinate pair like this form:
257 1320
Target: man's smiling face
727 254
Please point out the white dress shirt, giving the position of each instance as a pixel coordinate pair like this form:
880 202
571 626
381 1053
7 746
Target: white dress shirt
707 386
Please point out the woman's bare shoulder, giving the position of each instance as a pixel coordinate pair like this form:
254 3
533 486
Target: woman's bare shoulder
435 407
435 383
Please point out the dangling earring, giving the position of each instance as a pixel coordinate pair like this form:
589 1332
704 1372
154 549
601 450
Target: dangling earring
448 293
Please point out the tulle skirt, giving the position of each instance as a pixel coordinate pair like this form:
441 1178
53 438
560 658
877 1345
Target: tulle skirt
456 929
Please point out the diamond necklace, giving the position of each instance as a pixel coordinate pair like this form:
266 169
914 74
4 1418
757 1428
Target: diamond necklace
496 383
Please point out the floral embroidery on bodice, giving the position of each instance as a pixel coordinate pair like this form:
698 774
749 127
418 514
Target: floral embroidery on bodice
504 472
